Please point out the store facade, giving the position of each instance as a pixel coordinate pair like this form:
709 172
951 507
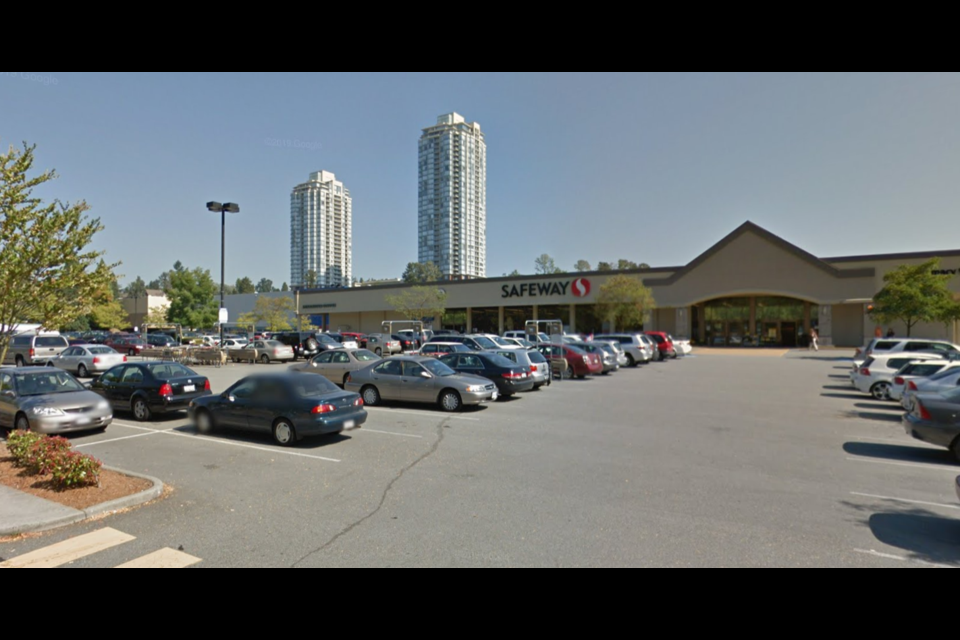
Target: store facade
750 289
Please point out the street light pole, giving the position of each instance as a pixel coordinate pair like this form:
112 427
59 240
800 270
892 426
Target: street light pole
223 209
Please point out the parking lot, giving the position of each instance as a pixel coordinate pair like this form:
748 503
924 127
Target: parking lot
713 460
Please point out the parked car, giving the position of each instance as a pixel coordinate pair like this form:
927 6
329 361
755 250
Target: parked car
683 346
607 360
614 357
336 366
408 344
231 344
438 349
87 359
935 419
383 345
130 345
520 342
510 377
634 347
49 401
346 342
288 406
887 346
665 348
617 350
579 363
31 349
876 375
947 380
359 338
151 388
914 372
423 380
522 335
264 352
501 343
533 361
474 342
161 340
445 332
304 344
420 338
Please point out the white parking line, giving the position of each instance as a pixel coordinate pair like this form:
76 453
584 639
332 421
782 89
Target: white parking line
391 433
61 553
162 559
887 556
93 444
928 467
249 446
403 412
905 501
137 427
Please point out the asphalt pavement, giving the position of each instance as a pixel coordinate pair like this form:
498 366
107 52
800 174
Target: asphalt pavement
713 461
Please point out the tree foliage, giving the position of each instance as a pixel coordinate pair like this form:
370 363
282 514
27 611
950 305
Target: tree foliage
626 265
193 301
48 272
161 284
274 312
136 289
625 302
913 294
109 313
157 316
545 265
286 287
604 266
582 266
422 273
265 286
417 303
245 285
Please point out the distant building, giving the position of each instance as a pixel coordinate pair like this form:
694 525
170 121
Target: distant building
138 308
378 283
453 198
321 232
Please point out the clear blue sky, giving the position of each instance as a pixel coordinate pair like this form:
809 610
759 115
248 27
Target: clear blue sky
650 167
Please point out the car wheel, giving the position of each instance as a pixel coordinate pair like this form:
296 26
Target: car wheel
605 373
141 410
284 434
265 359
82 371
371 397
630 361
346 377
50 364
569 373
204 422
379 353
880 391
450 401
132 353
20 361
22 423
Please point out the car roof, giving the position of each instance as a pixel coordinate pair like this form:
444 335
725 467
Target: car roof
445 344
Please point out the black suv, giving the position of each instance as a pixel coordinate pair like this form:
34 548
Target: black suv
304 344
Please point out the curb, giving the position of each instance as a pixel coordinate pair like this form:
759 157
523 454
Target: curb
79 516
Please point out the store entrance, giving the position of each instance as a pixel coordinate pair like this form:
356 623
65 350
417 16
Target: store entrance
756 321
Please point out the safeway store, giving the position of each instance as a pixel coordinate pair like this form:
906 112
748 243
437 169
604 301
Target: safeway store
750 289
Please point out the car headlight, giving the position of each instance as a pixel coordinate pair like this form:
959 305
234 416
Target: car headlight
476 388
103 406
48 412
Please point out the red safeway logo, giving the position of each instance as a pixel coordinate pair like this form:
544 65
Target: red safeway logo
581 287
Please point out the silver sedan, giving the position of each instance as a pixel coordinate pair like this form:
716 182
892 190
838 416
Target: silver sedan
418 379
263 351
336 366
85 359
49 401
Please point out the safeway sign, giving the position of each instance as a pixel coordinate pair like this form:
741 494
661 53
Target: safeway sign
580 288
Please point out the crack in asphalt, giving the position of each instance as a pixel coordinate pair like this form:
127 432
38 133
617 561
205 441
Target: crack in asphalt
383 498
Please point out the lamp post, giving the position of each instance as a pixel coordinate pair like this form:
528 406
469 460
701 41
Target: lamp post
223 209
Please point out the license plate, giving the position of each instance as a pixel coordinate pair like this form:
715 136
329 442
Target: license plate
495 395
349 424
84 421
189 388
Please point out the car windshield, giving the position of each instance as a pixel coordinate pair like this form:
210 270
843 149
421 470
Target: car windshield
946 373
536 357
503 342
485 343
169 370
48 382
921 370
437 368
100 351
609 349
365 356
313 386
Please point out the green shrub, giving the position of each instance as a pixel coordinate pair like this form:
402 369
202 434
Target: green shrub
72 469
44 454
19 443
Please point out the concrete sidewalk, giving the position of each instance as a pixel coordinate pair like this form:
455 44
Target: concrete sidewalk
22 513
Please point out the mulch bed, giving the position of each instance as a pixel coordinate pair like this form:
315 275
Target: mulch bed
112 485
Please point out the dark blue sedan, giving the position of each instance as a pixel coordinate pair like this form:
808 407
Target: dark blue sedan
288 406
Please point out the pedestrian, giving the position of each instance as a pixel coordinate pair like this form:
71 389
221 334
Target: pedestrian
814 340
891 333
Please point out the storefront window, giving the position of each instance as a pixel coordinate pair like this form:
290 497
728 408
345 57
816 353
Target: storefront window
515 318
777 321
455 319
486 320
561 313
588 320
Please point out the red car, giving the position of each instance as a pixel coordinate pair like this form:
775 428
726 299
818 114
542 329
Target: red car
130 345
579 362
664 344
360 338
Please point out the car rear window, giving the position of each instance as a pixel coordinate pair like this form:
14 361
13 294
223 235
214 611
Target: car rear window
885 346
499 361
536 357
898 363
922 370
169 370
508 355
52 342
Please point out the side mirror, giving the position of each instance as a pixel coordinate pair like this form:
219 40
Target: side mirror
9 394
314 365
231 399
424 374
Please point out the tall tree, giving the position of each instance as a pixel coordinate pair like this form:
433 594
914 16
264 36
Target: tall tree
545 265
274 312
417 303
912 294
136 289
193 301
49 272
512 274
643 265
265 286
285 287
245 285
625 302
582 266
157 316
422 273
310 279
626 265
109 314
604 266
162 283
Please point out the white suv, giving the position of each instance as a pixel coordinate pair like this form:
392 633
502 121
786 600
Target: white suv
885 346
634 346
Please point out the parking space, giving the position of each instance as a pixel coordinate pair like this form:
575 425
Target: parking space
712 461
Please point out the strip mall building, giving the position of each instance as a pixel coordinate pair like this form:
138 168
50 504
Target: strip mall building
751 288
